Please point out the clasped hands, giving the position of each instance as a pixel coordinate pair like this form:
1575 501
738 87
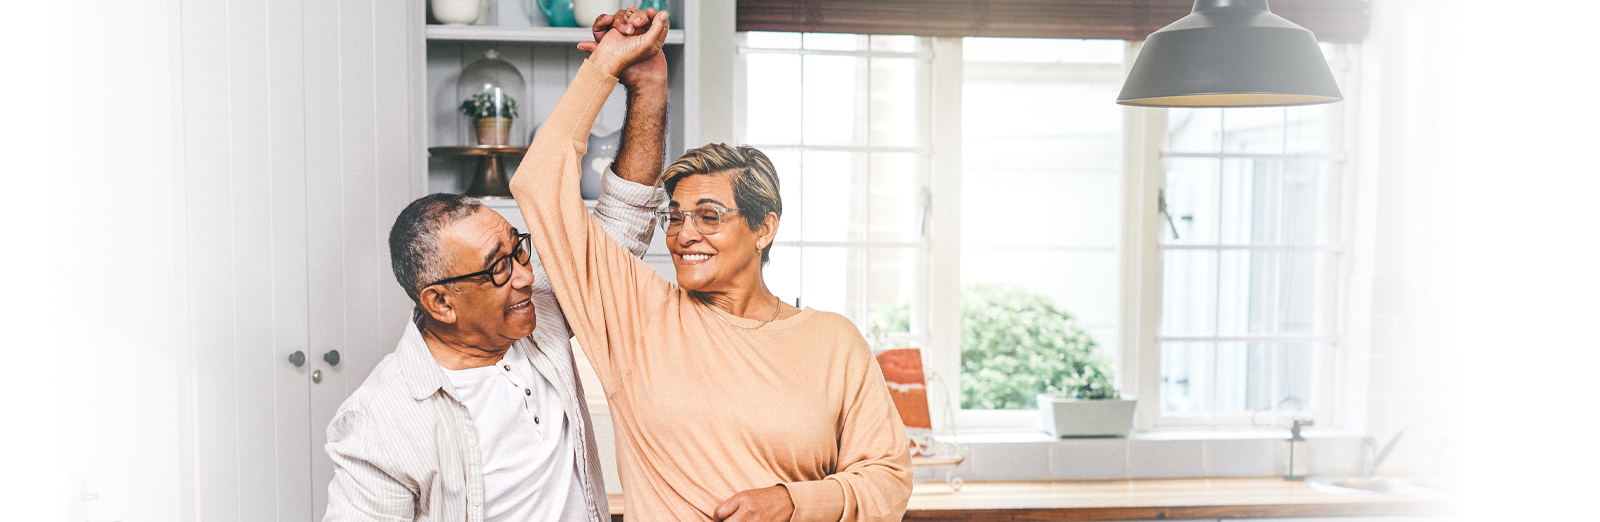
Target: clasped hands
628 45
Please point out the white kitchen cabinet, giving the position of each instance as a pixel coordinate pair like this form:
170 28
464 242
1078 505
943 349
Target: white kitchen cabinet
298 146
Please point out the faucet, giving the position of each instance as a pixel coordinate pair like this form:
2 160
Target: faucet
1371 461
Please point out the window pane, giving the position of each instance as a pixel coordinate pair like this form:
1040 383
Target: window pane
1235 378
1252 198
1186 377
823 273
772 116
894 43
826 196
1253 130
892 274
835 42
1194 130
895 104
791 182
1189 292
1041 191
1302 291
1260 377
830 99
1268 292
896 205
782 275
1306 129
1302 201
1192 200
768 40
1075 280
1293 377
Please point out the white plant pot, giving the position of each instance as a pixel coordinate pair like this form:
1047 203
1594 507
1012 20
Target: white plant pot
456 12
1086 418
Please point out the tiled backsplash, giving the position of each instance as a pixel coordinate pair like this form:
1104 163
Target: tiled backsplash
1038 457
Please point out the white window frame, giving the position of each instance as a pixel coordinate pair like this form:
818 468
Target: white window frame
918 336
1145 135
1138 371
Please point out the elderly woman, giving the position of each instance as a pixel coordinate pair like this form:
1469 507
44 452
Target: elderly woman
729 404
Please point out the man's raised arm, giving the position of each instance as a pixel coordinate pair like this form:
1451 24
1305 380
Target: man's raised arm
626 210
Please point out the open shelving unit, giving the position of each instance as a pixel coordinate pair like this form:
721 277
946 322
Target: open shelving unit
548 58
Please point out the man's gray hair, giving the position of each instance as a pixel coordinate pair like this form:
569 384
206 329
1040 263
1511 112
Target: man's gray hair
414 240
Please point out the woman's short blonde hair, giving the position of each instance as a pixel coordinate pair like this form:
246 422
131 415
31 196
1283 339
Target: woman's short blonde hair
755 181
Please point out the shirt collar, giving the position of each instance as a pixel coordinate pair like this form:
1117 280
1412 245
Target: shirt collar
423 374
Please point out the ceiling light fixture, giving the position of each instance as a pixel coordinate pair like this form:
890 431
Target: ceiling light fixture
1230 53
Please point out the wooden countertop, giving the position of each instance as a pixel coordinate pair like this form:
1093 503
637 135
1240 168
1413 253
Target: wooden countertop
1145 499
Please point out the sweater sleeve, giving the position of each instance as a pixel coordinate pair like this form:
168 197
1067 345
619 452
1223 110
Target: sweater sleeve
601 286
873 482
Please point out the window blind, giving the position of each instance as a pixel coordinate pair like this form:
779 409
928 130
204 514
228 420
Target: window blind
1330 20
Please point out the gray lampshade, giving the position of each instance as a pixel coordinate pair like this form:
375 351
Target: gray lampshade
1230 53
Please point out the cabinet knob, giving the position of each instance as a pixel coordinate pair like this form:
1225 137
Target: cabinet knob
298 358
332 357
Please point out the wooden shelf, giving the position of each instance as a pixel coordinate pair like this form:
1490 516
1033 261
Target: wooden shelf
493 33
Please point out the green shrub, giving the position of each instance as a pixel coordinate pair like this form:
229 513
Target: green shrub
1016 344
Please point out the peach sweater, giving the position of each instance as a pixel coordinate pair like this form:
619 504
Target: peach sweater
702 410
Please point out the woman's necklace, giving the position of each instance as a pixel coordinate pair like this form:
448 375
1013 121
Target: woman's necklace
776 308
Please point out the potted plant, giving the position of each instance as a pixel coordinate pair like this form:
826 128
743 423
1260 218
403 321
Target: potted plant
1085 404
1023 350
491 113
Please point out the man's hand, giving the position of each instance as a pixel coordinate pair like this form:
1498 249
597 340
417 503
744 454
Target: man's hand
649 73
770 504
626 39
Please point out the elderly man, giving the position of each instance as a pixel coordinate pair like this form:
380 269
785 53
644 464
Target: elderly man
478 414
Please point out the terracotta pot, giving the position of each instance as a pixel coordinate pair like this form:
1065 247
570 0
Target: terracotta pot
494 131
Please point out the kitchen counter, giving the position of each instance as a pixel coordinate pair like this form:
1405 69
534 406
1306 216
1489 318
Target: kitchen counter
1148 499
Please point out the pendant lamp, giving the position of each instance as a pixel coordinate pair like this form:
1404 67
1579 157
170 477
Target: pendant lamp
1230 53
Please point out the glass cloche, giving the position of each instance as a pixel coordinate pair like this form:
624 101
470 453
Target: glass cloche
492 100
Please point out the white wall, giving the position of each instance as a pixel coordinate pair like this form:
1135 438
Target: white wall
90 261
1481 195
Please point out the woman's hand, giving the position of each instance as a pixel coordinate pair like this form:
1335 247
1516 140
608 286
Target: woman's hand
771 504
651 72
628 38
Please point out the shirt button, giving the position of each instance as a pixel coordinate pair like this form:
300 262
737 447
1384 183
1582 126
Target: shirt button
508 367
535 419
527 392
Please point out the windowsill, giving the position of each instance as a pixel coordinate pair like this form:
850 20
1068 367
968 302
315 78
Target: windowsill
1197 435
1035 455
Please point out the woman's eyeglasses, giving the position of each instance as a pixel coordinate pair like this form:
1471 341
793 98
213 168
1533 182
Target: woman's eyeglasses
499 271
707 218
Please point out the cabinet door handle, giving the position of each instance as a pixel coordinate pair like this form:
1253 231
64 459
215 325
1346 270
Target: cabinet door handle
332 357
298 358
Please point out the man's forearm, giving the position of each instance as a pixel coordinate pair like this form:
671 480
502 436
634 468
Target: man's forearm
644 134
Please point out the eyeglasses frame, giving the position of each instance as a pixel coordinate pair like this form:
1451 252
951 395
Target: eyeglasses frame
666 222
522 245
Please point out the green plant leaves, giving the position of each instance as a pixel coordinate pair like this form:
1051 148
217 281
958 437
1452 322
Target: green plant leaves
482 105
1016 344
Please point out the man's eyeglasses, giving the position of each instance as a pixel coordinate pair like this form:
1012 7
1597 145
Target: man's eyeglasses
707 218
499 271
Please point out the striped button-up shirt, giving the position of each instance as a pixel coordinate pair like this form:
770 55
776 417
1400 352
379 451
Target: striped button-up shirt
405 448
